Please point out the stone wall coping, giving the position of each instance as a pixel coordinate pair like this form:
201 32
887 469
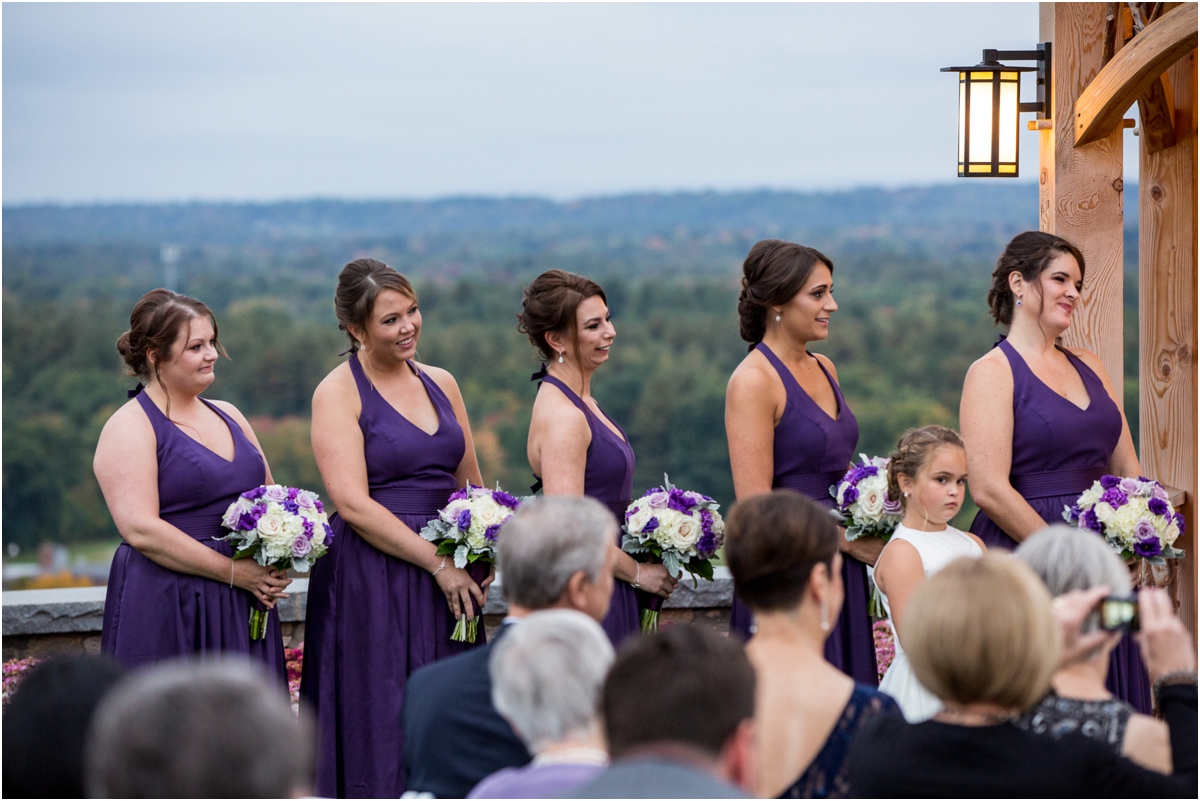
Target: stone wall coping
81 609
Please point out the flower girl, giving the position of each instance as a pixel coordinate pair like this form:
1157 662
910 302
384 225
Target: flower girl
928 472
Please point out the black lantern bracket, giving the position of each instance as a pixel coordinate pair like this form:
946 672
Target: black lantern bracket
991 63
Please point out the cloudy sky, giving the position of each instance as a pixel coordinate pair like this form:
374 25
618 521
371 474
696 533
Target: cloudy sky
266 101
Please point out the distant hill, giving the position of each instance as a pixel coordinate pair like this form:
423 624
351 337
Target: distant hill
975 205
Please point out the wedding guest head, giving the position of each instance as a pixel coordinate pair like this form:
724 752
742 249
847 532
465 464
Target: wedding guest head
214 729
1035 266
546 678
46 723
678 710
1067 559
785 287
566 318
554 553
782 551
968 649
172 340
365 284
918 449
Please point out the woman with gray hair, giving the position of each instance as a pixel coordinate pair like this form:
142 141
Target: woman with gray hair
1074 559
547 673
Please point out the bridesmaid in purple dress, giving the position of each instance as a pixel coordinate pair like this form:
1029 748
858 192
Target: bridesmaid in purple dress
575 448
1040 421
392 441
788 424
169 463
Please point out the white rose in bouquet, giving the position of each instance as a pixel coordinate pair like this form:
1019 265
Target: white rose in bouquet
638 520
487 513
687 534
871 499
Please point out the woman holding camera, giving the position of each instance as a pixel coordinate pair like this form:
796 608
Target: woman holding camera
1040 421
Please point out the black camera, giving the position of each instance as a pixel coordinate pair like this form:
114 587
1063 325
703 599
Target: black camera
1119 613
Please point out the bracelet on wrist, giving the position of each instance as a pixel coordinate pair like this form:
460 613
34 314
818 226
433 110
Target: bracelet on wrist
637 579
439 567
1170 679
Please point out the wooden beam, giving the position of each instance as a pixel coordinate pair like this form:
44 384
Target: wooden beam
1081 188
1167 225
1158 116
1132 71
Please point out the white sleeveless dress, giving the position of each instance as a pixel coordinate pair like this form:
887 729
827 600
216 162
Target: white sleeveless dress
936 549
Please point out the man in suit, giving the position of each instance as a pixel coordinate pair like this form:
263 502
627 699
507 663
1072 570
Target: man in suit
554 553
678 712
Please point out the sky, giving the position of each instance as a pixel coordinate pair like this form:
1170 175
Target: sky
259 102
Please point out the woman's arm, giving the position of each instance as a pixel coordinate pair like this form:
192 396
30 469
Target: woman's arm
750 418
986 418
898 573
1148 743
126 467
338 447
1124 460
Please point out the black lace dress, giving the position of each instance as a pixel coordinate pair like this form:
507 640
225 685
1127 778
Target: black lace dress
1099 720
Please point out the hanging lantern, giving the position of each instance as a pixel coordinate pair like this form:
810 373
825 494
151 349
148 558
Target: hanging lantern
989 107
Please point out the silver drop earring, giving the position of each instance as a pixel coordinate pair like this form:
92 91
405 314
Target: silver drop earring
824 617
778 318
906 495
1018 300
560 358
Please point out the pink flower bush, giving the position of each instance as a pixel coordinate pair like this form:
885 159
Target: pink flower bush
295 662
14 671
885 645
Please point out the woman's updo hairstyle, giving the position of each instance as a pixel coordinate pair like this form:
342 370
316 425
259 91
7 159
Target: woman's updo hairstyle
774 271
359 283
1028 254
772 544
913 451
154 325
549 305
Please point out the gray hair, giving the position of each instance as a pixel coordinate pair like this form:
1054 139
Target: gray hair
186 729
1068 559
547 672
547 541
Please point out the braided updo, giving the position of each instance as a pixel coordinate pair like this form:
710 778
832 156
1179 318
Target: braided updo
914 450
774 271
154 325
1028 254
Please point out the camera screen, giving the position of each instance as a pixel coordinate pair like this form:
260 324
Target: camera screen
1117 613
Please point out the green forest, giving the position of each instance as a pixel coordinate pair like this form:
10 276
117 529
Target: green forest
911 273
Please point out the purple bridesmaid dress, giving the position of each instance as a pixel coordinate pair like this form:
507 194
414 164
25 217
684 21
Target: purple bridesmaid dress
813 451
608 478
1058 450
373 619
153 613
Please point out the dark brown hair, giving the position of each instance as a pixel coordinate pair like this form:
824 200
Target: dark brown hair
154 325
913 451
1028 254
549 305
774 271
359 283
682 684
772 544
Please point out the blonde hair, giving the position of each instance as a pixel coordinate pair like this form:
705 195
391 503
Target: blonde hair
981 630
913 451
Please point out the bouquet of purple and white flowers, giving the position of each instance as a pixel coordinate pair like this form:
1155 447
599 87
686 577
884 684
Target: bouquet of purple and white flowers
1134 515
280 527
863 503
680 529
466 529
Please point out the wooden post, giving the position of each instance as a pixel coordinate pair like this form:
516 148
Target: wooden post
1081 195
1167 225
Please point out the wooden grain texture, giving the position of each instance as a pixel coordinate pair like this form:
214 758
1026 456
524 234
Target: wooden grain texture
1167 254
1101 105
1081 188
1157 111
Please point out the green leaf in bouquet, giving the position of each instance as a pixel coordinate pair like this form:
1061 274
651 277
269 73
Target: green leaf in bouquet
460 556
300 565
701 567
244 553
447 548
631 544
1172 553
670 561
436 529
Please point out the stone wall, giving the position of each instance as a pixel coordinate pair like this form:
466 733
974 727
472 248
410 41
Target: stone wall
43 622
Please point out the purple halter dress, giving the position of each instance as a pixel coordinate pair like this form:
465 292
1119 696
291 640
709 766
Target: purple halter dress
1058 451
608 478
153 613
812 452
373 619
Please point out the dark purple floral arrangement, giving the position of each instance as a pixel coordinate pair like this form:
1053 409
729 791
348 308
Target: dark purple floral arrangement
1134 515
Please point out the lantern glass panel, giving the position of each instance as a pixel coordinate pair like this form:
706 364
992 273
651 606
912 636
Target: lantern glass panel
962 118
1009 103
981 120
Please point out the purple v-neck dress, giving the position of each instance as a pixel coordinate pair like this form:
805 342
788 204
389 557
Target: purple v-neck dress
152 612
373 619
1058 451
608 477
812 452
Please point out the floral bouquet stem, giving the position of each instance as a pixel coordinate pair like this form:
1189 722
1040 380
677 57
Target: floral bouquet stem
258 620
467 630
650 605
